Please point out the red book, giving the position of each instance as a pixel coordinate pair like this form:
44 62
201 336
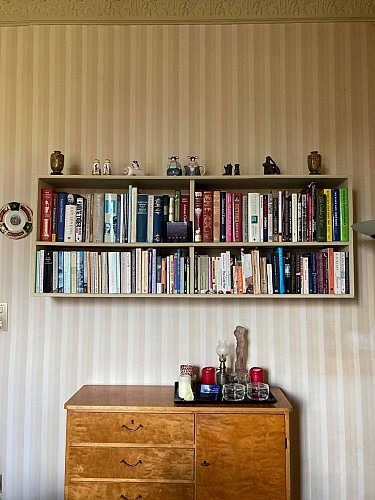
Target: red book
184 207
198 215
46 212
237 216
228 217
208 201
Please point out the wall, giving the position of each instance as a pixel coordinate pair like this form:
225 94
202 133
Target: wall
227 93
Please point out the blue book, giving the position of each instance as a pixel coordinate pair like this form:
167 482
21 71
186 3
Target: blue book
336 233
142 209
280 252
61 202
158 218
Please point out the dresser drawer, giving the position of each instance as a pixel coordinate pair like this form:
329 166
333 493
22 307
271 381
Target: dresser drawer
131 463
130 491
137 428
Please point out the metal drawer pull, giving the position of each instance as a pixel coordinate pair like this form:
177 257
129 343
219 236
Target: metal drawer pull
130 465
126 498
205 464
130 429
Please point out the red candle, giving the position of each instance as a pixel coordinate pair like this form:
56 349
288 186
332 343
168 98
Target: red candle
209 375
256 374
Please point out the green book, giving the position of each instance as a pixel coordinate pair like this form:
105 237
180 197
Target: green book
321 217
344 214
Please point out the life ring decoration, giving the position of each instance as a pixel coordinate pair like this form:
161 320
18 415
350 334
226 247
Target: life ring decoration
16 220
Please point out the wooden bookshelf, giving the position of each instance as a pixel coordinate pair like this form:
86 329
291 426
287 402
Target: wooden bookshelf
264 184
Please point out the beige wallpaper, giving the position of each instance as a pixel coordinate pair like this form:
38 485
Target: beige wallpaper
229 93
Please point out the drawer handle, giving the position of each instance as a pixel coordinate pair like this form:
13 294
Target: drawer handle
205 464
126 498
130 429
130 465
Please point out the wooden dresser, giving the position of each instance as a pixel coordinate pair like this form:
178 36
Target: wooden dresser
134 443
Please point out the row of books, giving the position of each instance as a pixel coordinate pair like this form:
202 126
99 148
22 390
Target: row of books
275 272
128 217
140 271
146 271
277 216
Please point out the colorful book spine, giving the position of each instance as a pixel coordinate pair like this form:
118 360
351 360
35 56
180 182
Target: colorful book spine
46 211
344 214
142 209
336 215
158 219
185 207
253 216
198 215
223 205
207 216
216 217
321 217
110 217
228 221
61 202
328 193
237 217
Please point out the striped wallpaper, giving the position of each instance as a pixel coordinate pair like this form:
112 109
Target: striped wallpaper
229 93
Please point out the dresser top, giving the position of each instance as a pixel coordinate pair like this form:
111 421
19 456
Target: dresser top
153 398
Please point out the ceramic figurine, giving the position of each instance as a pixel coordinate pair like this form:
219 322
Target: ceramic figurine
134 169
107 169
57 162
174 166
270 167
236 169
193 168
228 169
96 167
314 162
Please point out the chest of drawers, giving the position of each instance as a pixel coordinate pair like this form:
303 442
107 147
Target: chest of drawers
132 442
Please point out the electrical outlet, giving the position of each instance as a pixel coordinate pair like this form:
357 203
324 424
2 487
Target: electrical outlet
3 316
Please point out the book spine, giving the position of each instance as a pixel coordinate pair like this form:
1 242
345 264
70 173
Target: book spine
158 219
185 207
336 215
80 226
150 218
228 222
207 216
237 217
198 215
110 217
280 252
223 204
344 214
253 216
245 220
98 218
216 216
321 217
141 219
265 217
61 202
328 193
70 219
54 217
270 217
46 211
48 272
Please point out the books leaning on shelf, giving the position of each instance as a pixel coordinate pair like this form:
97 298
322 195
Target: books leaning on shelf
306 215
127 217
137 271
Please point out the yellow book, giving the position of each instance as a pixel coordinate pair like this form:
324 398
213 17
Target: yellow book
328 193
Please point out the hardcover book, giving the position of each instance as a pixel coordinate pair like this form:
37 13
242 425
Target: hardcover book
98 218
185 207
336 217
46 214
207 216
70 218
110 217
321 217
216 216
253 216
61 202
344 214
142 210
158 219
198 214
237 216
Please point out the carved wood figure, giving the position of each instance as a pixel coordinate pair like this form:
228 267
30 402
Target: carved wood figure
241 351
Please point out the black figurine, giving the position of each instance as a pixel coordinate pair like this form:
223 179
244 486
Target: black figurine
236 169
270 167
228 169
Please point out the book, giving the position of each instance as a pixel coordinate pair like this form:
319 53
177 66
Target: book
98 218
328 193
336 215
177 205
80 231
228 221
133 214
70 218
61 202
237 217
245 220
46 211
142 211
223 216
207 216
110 217
198 215
157 226
48 272
185 207
344 214
216 216
253 216
321 217
54 217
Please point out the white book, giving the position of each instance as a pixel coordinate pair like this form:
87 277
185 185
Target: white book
342 272
299 217
305 276
261 232
110 217
253 216
55 271
112 272
247 272
138 270
104 272
97 218
294 217
270 217
337 272
70 223
134 206
41 271
269 278
73 271
88 219
145 266
121 214
67 278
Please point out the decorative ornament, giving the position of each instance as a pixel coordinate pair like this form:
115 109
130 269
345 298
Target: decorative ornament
314 163
174 166
228 169
236 169
16 220
270 167
107 169
134 169
193 167
96 168
57 162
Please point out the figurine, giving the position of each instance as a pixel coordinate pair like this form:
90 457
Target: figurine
240 364
314 163
270 167
57 162
228 169
96 168
107 170
193 168
236 169
174 166
134 169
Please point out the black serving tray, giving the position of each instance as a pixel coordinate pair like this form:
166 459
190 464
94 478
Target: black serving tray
218 398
